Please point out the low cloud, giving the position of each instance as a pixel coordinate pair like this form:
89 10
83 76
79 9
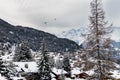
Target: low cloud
54 15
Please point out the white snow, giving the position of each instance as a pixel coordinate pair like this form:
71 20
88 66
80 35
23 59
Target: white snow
18 78
90 72
73 34
2 78
7 57
53 79
74 79
11 32
32 66
58 71
75 71
116 49
116 74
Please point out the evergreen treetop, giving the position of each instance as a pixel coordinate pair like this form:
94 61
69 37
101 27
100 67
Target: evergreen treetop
43 65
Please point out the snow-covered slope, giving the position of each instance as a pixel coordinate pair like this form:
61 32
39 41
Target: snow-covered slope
75 34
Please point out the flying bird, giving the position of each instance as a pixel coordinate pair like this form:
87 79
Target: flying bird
45 22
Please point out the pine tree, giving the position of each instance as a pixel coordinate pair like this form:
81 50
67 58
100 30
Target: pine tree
98 42
22 52
3 69
5 49
51 62
2 50
12 70
66 65
43 65
59 63
7 69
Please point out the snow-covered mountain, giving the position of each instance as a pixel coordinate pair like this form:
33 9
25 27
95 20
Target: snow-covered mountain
75 34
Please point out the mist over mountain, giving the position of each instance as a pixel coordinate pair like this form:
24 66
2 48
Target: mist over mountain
16 34
75 34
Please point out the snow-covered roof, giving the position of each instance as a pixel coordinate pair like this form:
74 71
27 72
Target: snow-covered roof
32 66
59 71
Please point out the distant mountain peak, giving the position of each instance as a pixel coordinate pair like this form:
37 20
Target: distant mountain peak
75 34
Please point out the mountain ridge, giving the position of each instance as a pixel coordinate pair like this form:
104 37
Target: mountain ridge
16 34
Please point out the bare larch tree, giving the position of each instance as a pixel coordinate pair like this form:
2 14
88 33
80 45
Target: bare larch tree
98 41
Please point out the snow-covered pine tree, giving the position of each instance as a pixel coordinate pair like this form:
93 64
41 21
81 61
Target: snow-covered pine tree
22 52
98 41
66 65
7 69
3 69
58 63
51 61
5 48
1 49
43 65
12 70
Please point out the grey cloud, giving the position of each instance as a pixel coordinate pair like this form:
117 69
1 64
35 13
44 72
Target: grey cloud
113 11
50 15
66 14
112 7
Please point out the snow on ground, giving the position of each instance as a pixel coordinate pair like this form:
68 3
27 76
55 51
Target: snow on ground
90 72
116 74
53 79
59 71
117 65
2 78
32 66
7 57
18 78
75 71
74 79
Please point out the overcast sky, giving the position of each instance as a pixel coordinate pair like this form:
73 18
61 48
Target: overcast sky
55 15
